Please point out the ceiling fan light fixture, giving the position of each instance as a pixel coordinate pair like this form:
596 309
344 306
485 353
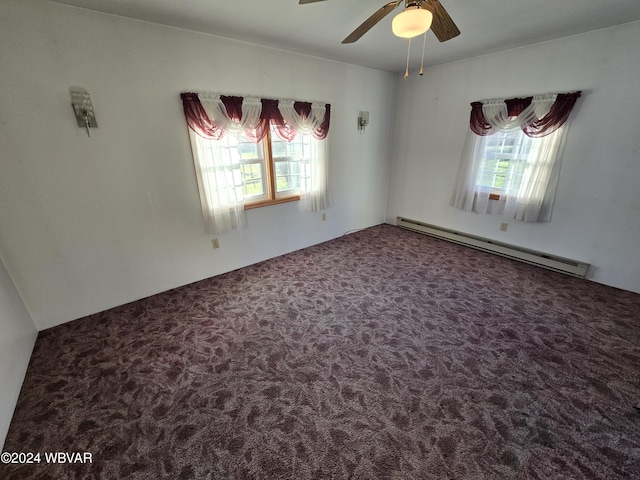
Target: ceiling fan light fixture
413 21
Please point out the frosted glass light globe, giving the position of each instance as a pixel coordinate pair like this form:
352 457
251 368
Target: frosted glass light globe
412 22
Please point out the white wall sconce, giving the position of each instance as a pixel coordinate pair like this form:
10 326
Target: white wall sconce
363 120
83 109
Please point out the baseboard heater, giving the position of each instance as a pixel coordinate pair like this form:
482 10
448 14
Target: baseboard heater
551 262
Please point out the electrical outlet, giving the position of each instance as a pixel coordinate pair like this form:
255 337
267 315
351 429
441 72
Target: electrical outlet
324 216
215 243
503 227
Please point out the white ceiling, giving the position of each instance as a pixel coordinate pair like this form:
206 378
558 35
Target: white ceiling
318 28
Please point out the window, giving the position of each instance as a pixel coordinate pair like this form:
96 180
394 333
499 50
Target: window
271 171
291 162
511 160
512 174
251 152
503 162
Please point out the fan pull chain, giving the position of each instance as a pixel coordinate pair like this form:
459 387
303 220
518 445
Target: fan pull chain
424 44
406 72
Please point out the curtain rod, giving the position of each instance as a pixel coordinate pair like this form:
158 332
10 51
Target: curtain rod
577 93
209 93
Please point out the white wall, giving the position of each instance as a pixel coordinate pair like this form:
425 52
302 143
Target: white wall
90 223
596 217
17 337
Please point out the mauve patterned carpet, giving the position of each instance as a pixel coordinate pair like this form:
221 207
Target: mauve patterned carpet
384 354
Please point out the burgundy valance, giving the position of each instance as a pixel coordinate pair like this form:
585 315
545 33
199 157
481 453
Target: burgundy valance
288 117
533 127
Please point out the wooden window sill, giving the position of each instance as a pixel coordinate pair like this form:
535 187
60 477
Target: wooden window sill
266 203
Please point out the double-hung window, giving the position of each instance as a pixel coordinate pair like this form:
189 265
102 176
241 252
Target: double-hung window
511 160
503 162
251 152
291 163
273 170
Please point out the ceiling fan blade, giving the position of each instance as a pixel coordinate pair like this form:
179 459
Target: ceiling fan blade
443 27
302 2
371 21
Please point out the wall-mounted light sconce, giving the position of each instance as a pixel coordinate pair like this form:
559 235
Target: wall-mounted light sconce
83 109
363 120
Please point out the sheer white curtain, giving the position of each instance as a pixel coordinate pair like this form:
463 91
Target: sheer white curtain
221 199
222 202
297 122
467 196
533 201
317 197
496 112
539 159
217 113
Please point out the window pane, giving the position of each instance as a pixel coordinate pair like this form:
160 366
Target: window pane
504 160
291 162
240 164
249 150
287 175
252 179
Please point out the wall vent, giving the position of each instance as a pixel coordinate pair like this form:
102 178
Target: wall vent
551 262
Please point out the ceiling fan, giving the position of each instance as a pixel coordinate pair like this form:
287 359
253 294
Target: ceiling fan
443 26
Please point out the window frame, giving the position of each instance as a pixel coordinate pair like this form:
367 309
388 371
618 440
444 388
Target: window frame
269 171
515 156
267 164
